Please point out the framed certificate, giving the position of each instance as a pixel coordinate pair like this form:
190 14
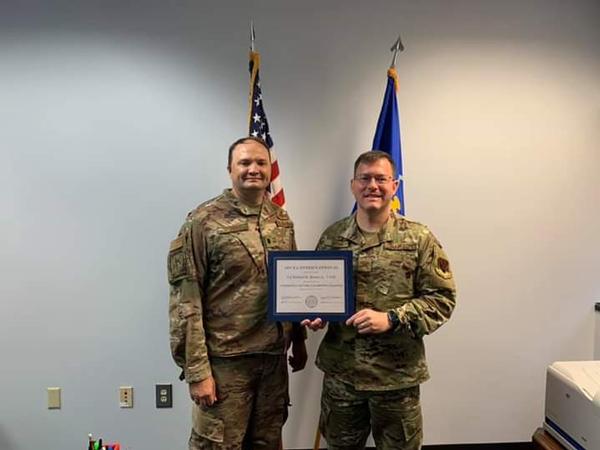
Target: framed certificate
310 284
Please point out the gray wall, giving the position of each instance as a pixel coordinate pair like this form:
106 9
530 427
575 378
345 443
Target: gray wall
115 118
597 336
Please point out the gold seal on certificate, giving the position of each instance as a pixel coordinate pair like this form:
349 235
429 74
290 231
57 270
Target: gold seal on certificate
310 284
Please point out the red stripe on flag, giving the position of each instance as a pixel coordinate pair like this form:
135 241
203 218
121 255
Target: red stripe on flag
279 198
274 170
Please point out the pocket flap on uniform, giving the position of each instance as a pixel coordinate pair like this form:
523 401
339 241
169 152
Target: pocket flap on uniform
383 287
234 228
187 310
412 422
207 426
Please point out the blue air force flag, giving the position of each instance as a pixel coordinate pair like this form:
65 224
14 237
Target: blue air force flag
387 135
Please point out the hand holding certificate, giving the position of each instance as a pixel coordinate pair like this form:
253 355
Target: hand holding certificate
310 285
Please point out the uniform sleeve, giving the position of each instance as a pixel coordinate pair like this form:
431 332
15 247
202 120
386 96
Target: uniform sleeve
187 264
323 243
434 288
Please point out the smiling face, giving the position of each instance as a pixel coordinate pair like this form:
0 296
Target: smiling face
374 186
250 168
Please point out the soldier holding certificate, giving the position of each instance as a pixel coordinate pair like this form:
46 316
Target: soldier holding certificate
404 290
232 357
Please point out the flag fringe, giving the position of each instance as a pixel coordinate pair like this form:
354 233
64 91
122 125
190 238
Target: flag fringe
394 74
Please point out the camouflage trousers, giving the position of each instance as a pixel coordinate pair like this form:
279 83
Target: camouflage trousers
348 415
251 407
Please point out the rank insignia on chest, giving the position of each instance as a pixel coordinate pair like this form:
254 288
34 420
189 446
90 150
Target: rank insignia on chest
365 264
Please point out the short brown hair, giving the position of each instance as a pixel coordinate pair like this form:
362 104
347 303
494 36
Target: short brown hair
371 156
242 141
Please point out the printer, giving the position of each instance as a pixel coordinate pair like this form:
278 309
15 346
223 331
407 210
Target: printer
572 412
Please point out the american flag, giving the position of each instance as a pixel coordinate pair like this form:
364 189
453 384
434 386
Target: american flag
259 127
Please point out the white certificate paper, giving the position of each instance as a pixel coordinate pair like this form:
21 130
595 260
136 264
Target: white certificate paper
310 286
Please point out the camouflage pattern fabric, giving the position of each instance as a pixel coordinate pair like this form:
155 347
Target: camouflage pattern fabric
347 415
217 269
404 269
218 283
251 389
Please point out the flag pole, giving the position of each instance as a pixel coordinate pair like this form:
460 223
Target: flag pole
396 47
387 133
257 121
254 63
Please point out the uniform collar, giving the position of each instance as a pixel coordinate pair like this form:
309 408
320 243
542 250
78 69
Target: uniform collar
387 233
266 209
390 229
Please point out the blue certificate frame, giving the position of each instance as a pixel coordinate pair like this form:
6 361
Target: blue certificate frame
310 284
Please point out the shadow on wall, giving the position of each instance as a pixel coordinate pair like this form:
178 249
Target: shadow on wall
5 442
597 332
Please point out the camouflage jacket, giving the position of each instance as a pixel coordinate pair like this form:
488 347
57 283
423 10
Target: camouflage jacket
218 283
404 268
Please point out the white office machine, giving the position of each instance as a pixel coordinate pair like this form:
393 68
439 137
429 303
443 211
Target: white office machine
573 404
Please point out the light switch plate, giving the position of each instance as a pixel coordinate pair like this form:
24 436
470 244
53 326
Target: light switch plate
53 398
126 397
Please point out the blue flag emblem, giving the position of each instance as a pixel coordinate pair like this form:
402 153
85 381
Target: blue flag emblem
387 136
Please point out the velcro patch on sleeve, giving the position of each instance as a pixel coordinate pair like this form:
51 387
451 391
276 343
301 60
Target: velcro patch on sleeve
442 268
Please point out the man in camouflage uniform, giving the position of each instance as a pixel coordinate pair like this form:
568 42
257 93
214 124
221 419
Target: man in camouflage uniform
231 356
375 362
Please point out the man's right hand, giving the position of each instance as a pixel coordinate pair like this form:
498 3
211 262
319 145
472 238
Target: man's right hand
204 392
314 325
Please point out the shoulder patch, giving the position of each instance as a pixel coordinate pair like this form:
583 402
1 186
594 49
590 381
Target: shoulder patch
176 244
442 268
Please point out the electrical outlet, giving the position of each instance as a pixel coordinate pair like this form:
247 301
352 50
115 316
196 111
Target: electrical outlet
126 397
53 398
164 396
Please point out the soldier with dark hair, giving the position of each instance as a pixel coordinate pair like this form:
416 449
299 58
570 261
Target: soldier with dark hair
232 357
404 288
